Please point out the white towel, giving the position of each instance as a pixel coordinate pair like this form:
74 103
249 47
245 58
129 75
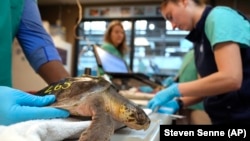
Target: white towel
43 130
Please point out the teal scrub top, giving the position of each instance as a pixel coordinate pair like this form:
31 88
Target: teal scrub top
188 72
112 49
10 15
222 28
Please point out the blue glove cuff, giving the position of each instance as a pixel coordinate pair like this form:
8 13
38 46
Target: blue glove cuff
175 89
180 103
164 96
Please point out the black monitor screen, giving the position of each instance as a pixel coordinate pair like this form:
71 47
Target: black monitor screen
109 62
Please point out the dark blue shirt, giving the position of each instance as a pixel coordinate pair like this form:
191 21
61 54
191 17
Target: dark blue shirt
37 45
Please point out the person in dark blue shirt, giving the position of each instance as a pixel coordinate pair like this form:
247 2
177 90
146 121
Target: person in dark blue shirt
21 19
222 54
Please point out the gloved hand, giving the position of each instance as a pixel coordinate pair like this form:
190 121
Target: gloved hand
17 106
170 107
164 96
168 81
146 89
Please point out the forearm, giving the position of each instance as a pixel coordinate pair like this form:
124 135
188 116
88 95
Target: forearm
188 101
53 71
217 83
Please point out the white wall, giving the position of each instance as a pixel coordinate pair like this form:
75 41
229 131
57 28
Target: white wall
24 77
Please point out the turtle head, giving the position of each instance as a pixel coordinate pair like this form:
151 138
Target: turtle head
135 117
124 110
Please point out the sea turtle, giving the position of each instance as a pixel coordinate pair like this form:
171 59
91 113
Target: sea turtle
95 97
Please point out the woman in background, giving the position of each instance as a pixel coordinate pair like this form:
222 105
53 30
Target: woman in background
115 41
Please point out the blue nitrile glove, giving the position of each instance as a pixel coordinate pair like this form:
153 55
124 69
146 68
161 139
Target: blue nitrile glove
146 89
164 96
168 81
17 106
170 107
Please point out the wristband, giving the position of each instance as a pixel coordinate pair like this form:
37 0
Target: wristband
180 103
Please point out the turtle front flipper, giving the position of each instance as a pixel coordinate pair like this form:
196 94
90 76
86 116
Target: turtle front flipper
102 125
101 128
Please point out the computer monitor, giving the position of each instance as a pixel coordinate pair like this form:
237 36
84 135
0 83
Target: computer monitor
110 62
117 68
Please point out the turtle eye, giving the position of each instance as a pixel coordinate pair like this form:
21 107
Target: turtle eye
117 90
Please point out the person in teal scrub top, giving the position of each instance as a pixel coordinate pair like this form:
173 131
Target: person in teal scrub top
195 114
221 37
115 41
21 19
